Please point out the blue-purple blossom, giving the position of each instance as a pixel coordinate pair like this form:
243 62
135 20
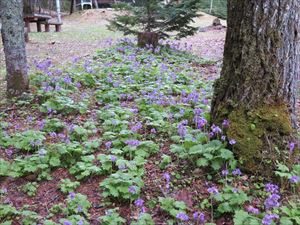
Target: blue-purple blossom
232 142
182 216
133 189
182 129
139 203
108 145
113 158
199 217
225 123
200 122
153 131
80 222
225 172
237 172
68 222
132 143
294 179
252 210
79 208
272 201
292 146
213 190
271 188
136 127
268 219
72 195
215 129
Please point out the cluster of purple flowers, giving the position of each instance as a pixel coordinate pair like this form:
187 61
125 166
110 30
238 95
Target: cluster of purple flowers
199 217
252 210
200 122
272 200
140 204
108 144
294 179
182 216
269 218
215 130
133 143
182 128
136 127
213 190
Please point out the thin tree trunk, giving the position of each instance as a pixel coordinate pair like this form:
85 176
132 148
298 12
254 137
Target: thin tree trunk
72 6
256 90
11 13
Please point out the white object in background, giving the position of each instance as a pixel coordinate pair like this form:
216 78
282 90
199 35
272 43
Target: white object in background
82 3
58 11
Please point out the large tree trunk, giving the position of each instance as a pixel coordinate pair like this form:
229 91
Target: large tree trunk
11 13
256 90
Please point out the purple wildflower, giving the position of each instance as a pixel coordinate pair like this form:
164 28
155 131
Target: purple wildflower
9 152
268 219
139 203
68 222
80 222
223 138
108 145
132 143
252 210
197 111
213 190
136 127
72 195
215 129
199 217
225 172
232 142
53 134
67 80
294 179
79 208
113 158
236 172
272 201
292 146
133 189
182 216
153 131
271 188
200 122
225 123
182 130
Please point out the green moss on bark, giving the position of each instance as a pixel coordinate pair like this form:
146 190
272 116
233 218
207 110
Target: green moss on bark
259 133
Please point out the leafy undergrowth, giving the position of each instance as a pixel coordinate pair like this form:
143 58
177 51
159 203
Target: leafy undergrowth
124 138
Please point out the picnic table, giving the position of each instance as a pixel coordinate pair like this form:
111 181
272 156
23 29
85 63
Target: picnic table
40 19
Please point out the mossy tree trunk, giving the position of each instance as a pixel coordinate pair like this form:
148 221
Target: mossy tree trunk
256 90
11 14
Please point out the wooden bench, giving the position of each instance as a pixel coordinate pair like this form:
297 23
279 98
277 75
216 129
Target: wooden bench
56 24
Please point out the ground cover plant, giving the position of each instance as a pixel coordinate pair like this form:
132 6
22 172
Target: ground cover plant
125 138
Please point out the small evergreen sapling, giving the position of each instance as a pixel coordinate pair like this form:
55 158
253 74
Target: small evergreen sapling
152 20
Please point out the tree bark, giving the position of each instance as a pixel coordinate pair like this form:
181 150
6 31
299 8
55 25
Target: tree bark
256 90
149 39
11 13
